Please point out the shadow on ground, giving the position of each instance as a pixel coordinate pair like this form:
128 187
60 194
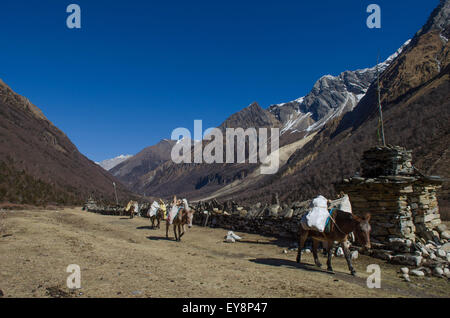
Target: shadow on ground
289 263
145 227
160 238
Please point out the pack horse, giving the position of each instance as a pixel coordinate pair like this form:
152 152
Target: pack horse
157 212
179 215
335 226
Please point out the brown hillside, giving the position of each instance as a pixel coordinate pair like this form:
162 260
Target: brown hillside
31 146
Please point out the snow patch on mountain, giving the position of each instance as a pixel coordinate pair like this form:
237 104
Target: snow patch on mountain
108 164
331 96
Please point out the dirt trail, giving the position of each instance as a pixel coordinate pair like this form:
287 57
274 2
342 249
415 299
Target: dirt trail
120 257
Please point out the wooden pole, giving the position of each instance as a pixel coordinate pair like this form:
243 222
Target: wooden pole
379 106
115 192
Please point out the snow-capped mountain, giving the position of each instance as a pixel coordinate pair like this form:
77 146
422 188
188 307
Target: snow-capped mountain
331 96
108 164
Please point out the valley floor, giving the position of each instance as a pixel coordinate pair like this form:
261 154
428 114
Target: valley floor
120 257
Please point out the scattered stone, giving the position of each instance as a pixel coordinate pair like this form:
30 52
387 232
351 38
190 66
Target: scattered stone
406 277
441 228
417 273
136 292
382 254
447 272
403 259
446 247
438 271
424 252
354 255
445 235
405 270
425 270
441 253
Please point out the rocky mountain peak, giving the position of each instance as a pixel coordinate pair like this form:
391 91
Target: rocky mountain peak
253 116
439 20
330 97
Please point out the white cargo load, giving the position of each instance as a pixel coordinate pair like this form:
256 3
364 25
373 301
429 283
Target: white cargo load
153 209
342 204
316 218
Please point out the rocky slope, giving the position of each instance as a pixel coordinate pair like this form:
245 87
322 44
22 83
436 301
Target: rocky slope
152 171
131 170
38 162
331 97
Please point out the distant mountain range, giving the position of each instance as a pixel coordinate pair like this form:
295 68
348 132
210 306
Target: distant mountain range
299 120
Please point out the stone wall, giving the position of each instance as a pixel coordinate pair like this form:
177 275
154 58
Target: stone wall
271 226
387 202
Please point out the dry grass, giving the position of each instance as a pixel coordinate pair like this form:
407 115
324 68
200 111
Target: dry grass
120 257
2 222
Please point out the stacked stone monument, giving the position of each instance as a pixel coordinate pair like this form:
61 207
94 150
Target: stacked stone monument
403 202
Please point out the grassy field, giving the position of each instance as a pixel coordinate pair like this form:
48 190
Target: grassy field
120 257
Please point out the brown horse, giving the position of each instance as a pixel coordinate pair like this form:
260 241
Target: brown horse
183 217
131 208
157 217
342 224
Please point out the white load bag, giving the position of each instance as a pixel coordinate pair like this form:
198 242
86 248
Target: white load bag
320 202
137 209
173 213
342 204
316 218
232 237
153 209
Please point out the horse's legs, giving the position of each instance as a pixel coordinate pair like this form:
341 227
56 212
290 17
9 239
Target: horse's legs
159 221
330 254
183 229
302 236
314 250
167 229
348 257
180 231
175 231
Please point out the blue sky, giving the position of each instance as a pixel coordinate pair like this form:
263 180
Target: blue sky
138 69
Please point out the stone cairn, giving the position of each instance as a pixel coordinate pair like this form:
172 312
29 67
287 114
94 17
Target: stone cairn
406 224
